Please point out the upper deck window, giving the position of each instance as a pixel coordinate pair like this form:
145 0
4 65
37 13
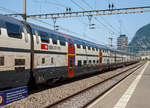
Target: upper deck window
89 48
54 38
62 41
84 47
44 37
14 30
78 46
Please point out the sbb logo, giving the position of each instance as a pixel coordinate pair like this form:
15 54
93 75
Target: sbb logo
1 99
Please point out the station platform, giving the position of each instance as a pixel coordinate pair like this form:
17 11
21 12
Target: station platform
132 92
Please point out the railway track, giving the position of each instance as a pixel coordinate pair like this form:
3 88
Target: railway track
85 97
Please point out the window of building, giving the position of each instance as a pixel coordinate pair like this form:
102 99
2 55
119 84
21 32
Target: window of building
79 63
85 62
0 30
96 49
13 30
1 61
44 36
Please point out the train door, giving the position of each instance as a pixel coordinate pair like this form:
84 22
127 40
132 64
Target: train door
71 57
100 60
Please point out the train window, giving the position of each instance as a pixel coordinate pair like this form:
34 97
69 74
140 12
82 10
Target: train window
19 62
97 61
79 63
93 48
78 46
52 60
71 62
43 60
93 61
1 61
90 61
84 47
13 30
89 48
44 36
62 41
54 38
37 37
70 42
85 62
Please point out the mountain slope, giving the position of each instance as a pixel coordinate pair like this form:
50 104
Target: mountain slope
141 40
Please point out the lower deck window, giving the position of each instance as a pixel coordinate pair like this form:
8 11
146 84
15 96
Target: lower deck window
85 62
43 60
19 61
79 63
1 61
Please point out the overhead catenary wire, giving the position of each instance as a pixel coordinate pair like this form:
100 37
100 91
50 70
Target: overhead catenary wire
62 28
100 17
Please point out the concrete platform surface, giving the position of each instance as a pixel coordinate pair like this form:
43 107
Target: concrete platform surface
133 92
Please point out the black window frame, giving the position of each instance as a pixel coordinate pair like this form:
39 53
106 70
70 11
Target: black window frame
43 60
90 61
19 62
84 47
54 38
44 36
79 63
2 61
85 62
78 45
14 30
62 41
93 48
94 61
89 48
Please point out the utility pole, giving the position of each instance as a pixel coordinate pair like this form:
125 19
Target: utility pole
110 38
24 11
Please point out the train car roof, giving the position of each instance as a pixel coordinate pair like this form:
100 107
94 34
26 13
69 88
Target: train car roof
76 39
11 20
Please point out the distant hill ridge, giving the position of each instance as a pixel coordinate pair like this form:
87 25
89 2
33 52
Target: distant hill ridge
141 40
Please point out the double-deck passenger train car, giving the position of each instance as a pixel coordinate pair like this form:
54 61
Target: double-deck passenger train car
30 53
